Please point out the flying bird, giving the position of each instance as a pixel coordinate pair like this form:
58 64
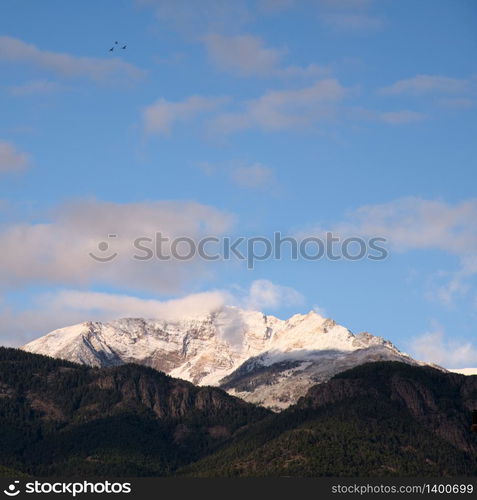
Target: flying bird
117 43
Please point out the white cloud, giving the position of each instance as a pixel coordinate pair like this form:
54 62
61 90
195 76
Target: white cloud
350 16
264 294
458 281
457 103
419 224
208 168
243 174
35 87
256 176
272 6
341 15
67 307
246 55
347 4
226 17
434 347
397 117
162 115
320 310
312 70
427 84
12 160
275 110
100 70
342 21
401 117
285 109
188 19
57 251
113 306
416 223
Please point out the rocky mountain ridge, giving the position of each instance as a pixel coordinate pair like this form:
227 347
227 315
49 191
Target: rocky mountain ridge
258 357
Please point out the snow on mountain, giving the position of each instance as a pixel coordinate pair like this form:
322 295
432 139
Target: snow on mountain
464 371
257 357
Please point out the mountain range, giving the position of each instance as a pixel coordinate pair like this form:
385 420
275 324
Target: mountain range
257 357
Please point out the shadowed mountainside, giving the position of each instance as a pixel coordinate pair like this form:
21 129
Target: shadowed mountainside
377 419
59 418
383 418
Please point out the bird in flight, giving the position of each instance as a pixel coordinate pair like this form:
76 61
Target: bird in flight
117 43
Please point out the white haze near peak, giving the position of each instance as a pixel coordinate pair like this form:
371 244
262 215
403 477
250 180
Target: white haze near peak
68 307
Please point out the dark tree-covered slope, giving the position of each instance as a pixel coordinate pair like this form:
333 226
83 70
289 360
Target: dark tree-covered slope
377 419
61 418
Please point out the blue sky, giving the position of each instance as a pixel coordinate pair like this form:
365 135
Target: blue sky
241 119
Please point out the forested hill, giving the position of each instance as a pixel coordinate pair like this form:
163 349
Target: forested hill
376 419
59 418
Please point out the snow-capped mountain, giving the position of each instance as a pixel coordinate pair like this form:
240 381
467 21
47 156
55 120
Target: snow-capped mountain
257 357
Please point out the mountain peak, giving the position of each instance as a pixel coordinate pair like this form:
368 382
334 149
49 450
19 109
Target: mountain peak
222 346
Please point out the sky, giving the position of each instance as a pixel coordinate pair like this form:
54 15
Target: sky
232 120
